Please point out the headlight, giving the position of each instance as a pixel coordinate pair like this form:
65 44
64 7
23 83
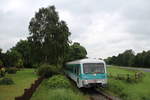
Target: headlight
100 81
85 82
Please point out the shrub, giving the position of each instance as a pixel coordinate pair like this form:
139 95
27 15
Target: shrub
44 70
2 72
47 70
56 69
6 81
11 70
36 65
19 63
58 81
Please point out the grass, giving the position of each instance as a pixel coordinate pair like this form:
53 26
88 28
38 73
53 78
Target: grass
129 91
22 79
117 70
45 93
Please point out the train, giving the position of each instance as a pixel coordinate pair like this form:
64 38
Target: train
87 72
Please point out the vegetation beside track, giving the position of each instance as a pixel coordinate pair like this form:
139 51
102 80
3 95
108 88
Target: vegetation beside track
128 90
57 90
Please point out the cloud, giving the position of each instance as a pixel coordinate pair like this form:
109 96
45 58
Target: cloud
104 27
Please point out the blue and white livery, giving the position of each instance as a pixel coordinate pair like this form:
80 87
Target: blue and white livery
87 72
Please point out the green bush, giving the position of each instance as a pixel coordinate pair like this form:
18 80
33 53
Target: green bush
19 63
58 81
36 65
56 69
47 70
44 70
11 70
2 72
6 81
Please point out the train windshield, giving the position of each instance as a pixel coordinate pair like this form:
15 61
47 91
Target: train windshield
92 68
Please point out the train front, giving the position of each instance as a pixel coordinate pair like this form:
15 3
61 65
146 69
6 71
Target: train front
94 74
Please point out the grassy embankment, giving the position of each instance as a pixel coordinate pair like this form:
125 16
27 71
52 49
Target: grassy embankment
22 79
44 92
126 90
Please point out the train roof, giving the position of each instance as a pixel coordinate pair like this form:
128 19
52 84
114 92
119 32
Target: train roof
87 60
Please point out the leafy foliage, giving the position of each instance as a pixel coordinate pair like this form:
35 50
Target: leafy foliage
44 70
24 48
6 81
76 51
47 70
19 63
48 42
58 81
1 63
12 57
2 72
48 36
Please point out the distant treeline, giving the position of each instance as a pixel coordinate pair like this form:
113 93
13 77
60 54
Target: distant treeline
129 58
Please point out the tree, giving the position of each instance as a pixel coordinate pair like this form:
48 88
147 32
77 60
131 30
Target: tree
12 57
2 58
1 63
1 54
48 36
0 51
123 59
24 48
128 58
76 51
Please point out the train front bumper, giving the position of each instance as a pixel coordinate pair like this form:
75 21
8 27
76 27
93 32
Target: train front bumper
102 81
94 82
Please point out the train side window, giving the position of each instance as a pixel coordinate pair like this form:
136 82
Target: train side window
78 70
74 68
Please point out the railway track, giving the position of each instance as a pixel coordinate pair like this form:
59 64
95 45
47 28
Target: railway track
94 93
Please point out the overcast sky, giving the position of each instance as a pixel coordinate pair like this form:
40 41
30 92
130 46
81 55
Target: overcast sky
104 27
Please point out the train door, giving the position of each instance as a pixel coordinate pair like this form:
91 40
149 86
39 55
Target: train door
77 72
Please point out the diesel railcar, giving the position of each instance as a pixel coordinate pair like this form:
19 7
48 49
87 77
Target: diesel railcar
87 72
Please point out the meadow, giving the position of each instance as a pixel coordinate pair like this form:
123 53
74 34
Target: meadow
128 90
22 79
